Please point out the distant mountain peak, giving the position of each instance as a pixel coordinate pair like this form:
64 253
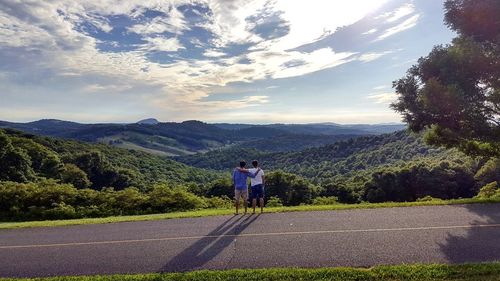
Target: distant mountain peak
149 121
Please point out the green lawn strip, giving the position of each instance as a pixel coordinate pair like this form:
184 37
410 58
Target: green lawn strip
434 272
218 212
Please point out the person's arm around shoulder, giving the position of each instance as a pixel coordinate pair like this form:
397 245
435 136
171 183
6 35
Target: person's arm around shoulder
243 170
254 174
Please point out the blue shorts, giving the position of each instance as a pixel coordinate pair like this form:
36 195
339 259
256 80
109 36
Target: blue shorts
257 191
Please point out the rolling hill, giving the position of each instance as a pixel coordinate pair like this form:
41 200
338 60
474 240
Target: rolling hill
190 137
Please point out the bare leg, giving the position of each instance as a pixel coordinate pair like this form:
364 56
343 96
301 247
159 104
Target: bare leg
254 203
245 204
261 203
237 204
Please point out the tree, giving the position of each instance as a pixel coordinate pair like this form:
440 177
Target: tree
15 164
289 188
454 92
75 176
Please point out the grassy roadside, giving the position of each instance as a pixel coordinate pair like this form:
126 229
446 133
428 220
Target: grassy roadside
464 272
218 212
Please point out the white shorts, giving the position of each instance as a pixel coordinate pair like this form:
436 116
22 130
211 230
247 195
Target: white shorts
240 193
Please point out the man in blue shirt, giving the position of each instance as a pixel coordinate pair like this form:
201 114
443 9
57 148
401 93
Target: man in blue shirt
240 186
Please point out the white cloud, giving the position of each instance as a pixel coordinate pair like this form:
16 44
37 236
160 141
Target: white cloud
383 97
371 31
50 32
407 24
310 22
213 53
163 44
399 13
174 23
381 87
368 57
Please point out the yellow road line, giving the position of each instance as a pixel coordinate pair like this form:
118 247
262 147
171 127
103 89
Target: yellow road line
251 235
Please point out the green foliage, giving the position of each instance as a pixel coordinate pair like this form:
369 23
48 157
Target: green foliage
15 164
444 181
427 198
418 272
221 187
274 201
489 172
454 92
89 165
75 176
44 162
48 199
490 191
289 188
167 199
223 202
322 200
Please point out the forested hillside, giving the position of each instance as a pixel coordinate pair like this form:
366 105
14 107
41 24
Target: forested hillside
391 167
27 157
189 137
341 157
42 177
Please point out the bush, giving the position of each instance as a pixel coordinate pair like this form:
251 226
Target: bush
428 198
222 202
48 199
325 200
490 191
291 189
274 201
75 176
221 187
444 181
166 199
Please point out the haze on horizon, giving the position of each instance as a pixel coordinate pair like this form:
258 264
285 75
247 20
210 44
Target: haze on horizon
261 61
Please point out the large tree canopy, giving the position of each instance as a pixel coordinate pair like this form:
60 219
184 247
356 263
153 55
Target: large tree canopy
454 92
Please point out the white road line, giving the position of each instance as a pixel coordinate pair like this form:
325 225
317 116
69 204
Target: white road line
251 235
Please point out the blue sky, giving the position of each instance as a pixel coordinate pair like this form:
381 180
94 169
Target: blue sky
238 61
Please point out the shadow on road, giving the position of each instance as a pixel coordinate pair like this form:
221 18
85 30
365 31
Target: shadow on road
477 244
207 248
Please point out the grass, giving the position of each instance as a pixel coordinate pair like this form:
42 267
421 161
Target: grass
464 272
218 212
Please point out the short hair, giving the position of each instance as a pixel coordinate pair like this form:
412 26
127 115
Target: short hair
255 163
243 164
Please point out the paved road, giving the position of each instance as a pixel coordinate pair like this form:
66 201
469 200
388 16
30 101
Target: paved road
438 234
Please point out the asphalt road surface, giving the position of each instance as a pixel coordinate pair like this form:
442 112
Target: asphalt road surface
437 234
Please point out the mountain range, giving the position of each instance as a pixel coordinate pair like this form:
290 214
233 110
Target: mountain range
191 137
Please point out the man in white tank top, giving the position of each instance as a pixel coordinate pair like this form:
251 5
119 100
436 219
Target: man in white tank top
257 183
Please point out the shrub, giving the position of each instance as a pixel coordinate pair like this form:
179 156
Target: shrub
428 198
166 199
491 190
75 176
325 200
291 189
222 202
274 201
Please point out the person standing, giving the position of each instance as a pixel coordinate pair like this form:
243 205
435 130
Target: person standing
257 182
240 186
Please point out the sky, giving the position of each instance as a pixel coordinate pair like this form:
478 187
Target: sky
236 61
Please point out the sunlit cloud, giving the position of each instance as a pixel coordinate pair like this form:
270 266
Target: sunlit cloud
368 57
407 24
371 31
399 13
171 56
163 44
213 53
382 97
